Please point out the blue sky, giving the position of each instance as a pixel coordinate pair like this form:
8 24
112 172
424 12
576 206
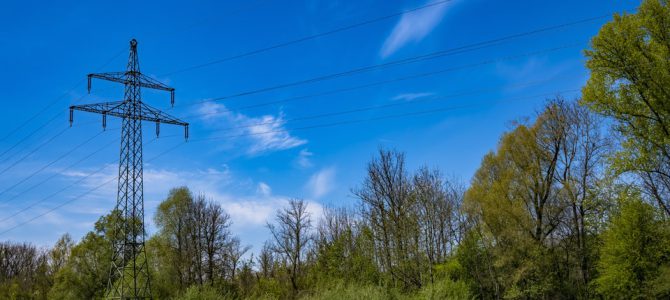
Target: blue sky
251 169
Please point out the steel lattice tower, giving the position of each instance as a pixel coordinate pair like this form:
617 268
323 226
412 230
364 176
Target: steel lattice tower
129 272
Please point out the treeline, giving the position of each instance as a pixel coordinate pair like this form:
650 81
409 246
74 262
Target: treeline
571 205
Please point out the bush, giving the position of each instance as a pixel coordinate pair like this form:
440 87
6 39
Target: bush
195 292
445 289
354 292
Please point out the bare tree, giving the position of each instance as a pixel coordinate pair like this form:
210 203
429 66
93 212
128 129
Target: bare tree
23 265
233 253
437 208
580 174
389 209
266 261
291 236
215 236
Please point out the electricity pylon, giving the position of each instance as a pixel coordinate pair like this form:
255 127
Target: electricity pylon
129 271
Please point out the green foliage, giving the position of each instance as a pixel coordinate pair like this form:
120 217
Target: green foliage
348 257
86 272
163 285
355 292
635 254
193 247
24 272
630 82
532 204
270 288
196 292
445 289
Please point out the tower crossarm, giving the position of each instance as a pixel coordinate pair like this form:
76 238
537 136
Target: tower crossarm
151 83
119 77
132 77
121 109
152 114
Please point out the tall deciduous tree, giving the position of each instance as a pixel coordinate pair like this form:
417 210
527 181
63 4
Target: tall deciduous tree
194 242
291 235
630 81
538 194
389 208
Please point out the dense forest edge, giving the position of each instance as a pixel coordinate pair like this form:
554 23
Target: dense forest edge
574 203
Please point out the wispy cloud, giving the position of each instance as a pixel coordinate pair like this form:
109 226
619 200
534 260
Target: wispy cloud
532 69
321 183
412 96
521 70
266 133
304 160
264 189
412 27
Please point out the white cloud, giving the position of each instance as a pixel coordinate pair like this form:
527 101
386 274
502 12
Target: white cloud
413 27
266 133
304 160
322 182
250 205
157 183
412 96
248 212
254 212
264 189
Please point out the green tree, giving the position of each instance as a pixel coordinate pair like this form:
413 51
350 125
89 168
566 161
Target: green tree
635 254
533 203
24 271
193 245
630 81
86 272
343 250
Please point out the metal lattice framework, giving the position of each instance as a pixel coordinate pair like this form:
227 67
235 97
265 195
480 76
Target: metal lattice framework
129 272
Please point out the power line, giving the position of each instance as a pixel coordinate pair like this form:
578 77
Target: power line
408 114
383 82
29 135
56 116
52 103
412 59
371 119
61 171
76 198
36 130
50 163
388 105
34 150
307 38
26 138
54 194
